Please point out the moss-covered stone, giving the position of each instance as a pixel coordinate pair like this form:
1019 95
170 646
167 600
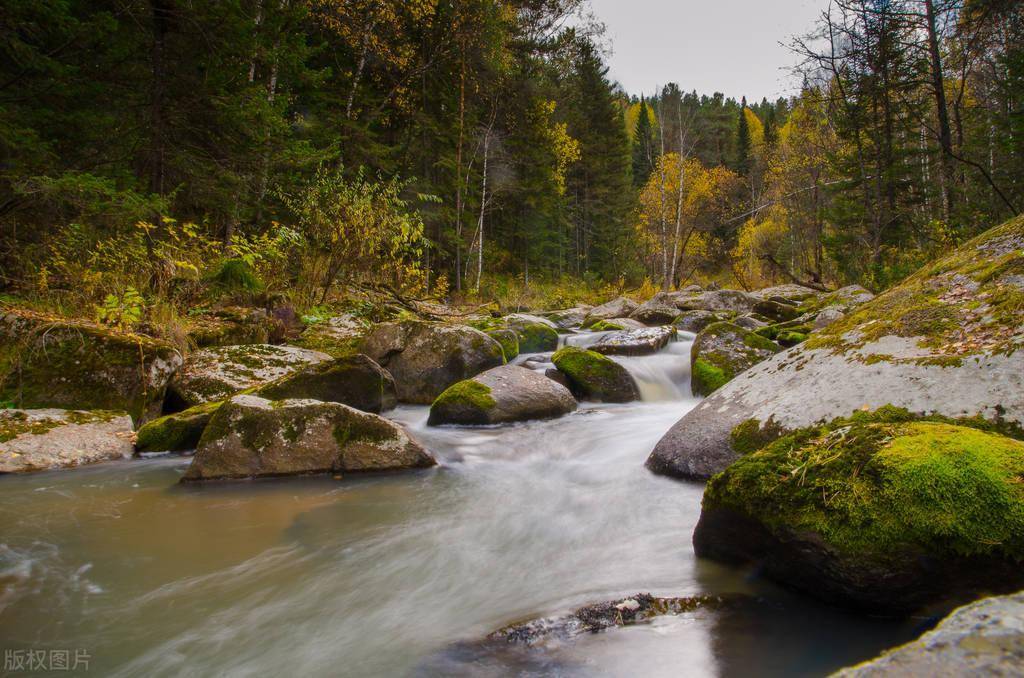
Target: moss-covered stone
606 326
356 381
723 350
176 432
50 362
508 340
595 376
469 394
41 439
882 500
501 395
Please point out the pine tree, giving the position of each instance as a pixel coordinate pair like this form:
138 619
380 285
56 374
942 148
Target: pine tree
743 144
771 132
643 146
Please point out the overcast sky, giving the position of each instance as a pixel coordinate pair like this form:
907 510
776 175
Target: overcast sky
729 46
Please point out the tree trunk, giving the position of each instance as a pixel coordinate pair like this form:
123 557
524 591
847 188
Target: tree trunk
942 110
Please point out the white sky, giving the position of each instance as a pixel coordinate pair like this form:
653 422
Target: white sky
729 46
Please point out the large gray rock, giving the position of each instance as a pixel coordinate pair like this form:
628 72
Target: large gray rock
616 324
251 437
219 372
176 432
985 638
695 321
789 291
661 309
51 363
356 381
723 350
338 336
619 307
502 395
946 341
569 318
635 342
595 376
427 358
535 334
719 300
37 440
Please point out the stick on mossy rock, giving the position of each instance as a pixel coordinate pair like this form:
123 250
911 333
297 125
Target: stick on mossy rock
501 395
37 440
946 340
252 437
426 358
356 381
878 512
176 432
217 373
51 363
594 376
723 350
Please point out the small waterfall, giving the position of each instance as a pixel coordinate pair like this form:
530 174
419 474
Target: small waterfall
664 375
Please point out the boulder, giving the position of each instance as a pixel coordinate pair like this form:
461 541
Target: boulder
620 307
501 395
827 316
338 336
356 381
658 310
946 340
37 440
794 293
776 311
985 638
719 300
426 358
252 437
723 350
749 322
218 372
509 341
635 342
594 376
232 326
616 324
176 432
695 321
570 318
880 512
52 363
535 334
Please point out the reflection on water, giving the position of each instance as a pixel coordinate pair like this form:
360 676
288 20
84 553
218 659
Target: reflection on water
378 575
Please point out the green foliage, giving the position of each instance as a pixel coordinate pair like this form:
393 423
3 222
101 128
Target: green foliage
237 275
123 310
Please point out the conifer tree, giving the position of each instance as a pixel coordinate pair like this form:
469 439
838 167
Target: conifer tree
743 144
643 146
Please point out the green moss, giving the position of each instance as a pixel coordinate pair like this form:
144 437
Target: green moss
509 342
15 423
362 429
236 275
536 338
875 489
751 435
468 392
176 432
759 343
590 372
707 378
606 326
789 339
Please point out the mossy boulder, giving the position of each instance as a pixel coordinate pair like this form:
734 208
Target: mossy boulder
218 372
594 376
569 318
947 340
338 336
776 311
53 363
985 638
535 334
695 321
723 350
658 310
732 301
42 439
426 358
176 432
619 307
501 395
509 341
232 326
635 342
252 437
883 515
616 325
790 293
356 381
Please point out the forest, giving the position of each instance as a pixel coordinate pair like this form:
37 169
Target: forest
477 150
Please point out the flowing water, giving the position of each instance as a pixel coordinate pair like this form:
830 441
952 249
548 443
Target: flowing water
399 574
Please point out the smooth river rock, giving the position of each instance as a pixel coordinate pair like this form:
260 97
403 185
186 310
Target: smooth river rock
37 440
426 358
948 340
356 381
502 395
252 437
635 342
594 376
619 307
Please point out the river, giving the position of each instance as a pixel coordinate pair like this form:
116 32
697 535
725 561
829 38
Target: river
393 575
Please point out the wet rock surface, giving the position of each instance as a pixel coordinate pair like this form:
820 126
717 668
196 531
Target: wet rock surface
593 376
356 381
505 394
635 342
38 440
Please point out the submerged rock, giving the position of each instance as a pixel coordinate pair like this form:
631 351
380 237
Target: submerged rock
619 307
985 638
635 342
251 437
176 432
50 363
878 512
426 358
594 376
501 395
947 340
37 440
723 350
216 373
356 381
